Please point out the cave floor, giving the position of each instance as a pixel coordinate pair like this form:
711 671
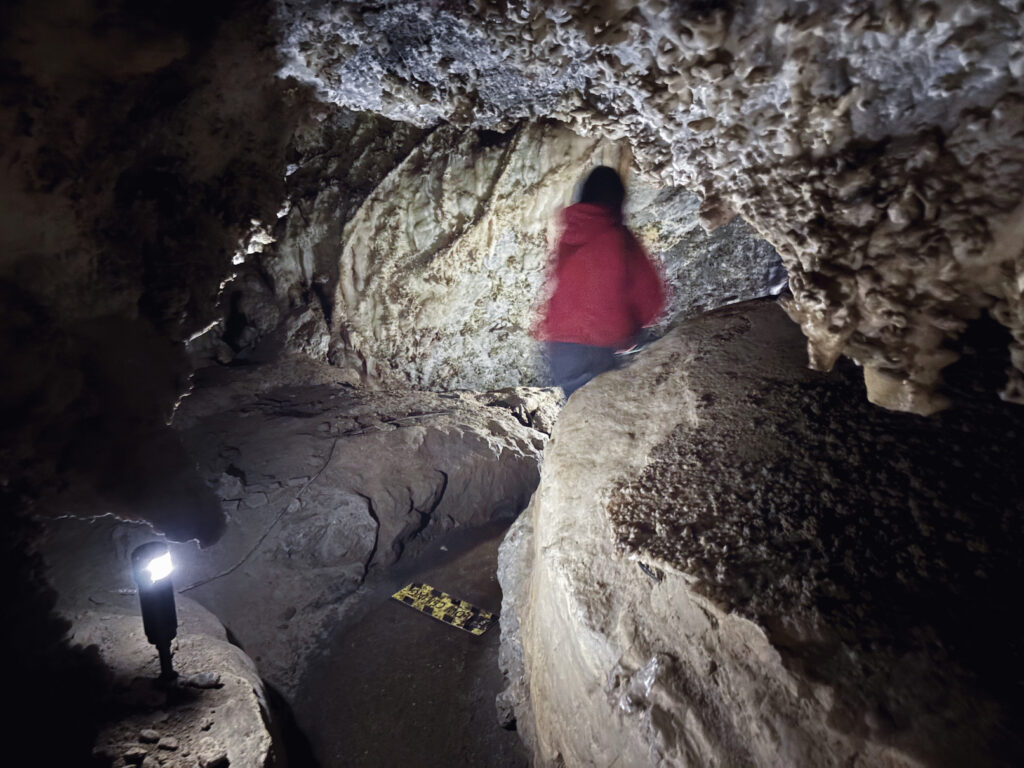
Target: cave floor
395 687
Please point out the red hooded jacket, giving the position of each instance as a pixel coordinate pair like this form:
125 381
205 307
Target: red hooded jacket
605 286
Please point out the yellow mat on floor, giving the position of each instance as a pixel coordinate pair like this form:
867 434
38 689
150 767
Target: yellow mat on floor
443 607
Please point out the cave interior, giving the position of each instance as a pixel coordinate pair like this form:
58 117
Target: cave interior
270 274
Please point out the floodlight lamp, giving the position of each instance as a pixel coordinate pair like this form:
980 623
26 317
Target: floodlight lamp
159 567
152 567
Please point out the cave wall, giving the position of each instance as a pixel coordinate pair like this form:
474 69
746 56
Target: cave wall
164 179
408 257
442 267
140 144
173 203
442 264
876 145
761 568
279 296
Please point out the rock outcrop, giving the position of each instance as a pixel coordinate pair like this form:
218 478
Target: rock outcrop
759 568
876 145
102 694
279 296
321 484
441 268
216 713
410 258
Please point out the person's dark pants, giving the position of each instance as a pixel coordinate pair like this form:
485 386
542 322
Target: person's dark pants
573 365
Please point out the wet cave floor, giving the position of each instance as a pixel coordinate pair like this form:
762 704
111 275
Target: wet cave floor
395 687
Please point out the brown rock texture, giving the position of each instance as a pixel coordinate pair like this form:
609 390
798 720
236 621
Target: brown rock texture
183 724
109 692
320 484
138 146
760 568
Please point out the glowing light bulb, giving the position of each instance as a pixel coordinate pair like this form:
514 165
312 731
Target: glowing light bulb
151 569
160 567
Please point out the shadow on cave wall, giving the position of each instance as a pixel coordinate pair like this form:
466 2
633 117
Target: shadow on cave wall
55 690
146 137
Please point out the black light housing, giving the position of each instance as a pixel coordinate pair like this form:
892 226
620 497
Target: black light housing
151 568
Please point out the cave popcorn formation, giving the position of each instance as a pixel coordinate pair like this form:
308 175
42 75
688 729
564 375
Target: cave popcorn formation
877 146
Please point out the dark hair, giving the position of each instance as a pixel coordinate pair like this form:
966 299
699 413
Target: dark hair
604 187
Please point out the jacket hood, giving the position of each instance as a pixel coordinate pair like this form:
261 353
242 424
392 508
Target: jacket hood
585 221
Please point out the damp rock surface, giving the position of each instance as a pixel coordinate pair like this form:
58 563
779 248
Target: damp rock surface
392 686
761 568
323 487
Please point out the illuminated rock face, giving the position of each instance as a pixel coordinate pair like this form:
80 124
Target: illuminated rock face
442 264
876 147
280 294
412 258
442 267
761 568
320 486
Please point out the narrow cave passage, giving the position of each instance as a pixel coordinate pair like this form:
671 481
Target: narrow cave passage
391 686
270 278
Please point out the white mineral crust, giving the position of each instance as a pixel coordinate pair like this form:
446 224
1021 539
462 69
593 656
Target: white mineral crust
876 146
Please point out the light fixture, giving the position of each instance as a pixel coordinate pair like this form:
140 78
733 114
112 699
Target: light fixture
151 567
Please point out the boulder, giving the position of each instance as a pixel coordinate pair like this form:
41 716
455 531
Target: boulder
218 698
760 568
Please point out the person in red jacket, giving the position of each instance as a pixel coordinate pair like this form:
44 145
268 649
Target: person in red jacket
603 288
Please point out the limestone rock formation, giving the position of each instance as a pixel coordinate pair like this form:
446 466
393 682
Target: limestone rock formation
442 264
217 708
136 152
170 203
216 714
704 270
409 258
280 292
877 146
322 484
304 181
441 268
760 568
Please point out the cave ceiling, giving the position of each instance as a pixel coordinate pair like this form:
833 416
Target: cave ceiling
877 145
